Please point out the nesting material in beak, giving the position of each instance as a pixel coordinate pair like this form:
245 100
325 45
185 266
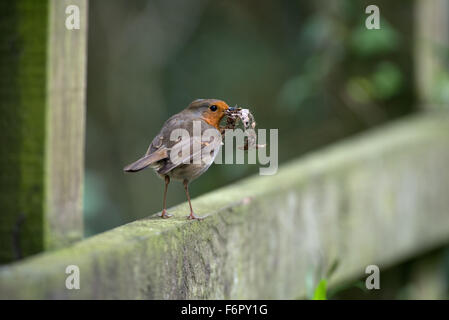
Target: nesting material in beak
233 115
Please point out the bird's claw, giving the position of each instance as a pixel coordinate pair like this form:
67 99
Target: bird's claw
165 215
194 217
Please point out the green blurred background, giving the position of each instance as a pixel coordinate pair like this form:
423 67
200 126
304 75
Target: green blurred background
309 68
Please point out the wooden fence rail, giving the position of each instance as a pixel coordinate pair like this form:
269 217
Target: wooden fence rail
378 198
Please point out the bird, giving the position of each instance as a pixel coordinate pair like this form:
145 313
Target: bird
163 152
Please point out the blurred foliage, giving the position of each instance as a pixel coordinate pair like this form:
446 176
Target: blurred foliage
320 291
422 277
366 43
308 68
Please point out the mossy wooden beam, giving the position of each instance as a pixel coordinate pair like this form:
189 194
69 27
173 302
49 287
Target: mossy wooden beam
377 199
42 126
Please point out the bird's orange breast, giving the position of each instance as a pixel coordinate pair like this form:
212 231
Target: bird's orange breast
213 120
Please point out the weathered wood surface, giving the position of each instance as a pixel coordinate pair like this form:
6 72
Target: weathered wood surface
42 126
431 42
65 126
378 199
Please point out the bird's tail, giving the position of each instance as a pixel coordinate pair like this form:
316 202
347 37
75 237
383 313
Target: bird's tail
146 160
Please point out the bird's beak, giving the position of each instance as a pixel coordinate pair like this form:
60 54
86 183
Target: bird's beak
232 110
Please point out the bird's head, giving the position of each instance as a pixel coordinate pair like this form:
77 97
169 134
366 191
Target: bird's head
210 110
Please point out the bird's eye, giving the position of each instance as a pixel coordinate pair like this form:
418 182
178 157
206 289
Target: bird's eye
213 108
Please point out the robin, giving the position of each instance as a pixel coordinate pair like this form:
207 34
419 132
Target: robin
161 155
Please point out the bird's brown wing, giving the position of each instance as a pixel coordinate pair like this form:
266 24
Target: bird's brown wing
186 158
147 160
190 153
161 147
158 150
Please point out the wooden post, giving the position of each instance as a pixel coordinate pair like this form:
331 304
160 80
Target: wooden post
42 105
431 46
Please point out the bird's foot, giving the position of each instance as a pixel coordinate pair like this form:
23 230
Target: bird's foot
165 215
192 216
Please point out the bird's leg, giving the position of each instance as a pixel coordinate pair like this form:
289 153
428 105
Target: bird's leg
164 213
186 188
